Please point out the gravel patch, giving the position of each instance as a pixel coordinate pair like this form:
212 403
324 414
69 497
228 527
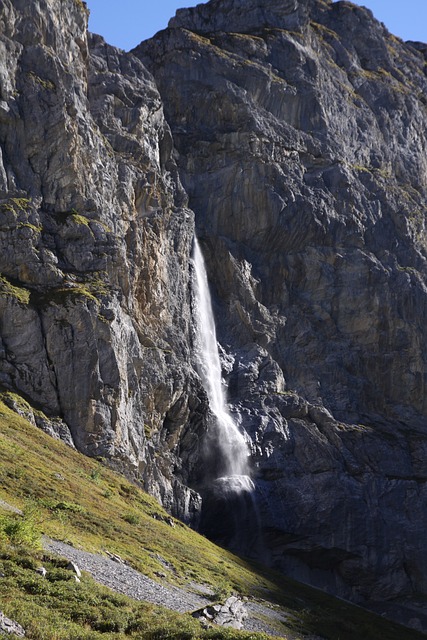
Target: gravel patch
259 614
126 580
119 577
123 579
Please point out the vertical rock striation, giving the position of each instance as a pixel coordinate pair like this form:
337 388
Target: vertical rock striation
300 129
95 239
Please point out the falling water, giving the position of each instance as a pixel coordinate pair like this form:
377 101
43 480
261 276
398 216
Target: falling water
230 441
229 511
229 508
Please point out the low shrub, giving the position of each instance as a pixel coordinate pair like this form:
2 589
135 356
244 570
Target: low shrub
21 530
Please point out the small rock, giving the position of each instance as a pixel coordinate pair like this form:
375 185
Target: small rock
42 571
207 614
230 614
415 623
73 567
115 557
76 579
10 626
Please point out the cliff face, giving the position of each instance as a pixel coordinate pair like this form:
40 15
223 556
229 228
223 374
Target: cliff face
305 163
297 130
300 129
95 239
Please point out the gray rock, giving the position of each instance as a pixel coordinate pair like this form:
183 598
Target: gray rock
242 16
9 507
73 567
94 251
305 166
232 613
8 626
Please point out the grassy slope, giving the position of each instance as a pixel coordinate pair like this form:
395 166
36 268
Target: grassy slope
76 499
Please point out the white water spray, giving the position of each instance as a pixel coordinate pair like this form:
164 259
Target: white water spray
231 443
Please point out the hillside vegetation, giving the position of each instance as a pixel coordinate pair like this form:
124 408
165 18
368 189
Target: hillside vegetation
75 499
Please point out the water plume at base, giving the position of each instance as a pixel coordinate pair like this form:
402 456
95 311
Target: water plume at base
229 512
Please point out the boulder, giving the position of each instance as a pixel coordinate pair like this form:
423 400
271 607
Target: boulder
8 626
231 613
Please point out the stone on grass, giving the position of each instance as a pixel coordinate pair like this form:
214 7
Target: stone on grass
73 567
10 626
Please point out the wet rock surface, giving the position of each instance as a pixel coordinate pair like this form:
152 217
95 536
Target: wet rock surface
291 135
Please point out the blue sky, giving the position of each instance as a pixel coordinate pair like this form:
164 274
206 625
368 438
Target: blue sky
125 23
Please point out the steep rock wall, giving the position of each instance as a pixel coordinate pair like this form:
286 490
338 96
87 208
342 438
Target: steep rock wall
95 239
300 128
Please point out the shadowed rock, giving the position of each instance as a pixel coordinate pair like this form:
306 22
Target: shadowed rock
305 165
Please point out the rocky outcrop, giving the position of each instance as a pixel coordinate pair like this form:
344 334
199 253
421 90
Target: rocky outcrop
313 141
231 613
95 239
8 626
305 165
295 132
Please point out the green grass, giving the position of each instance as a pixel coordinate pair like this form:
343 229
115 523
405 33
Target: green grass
82 5
46 84
28 225
20 294
79 500
16 204
94 287
58 608
75 218
108 513
61 295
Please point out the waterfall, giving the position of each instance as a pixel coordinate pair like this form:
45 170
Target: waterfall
229 511
231 443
